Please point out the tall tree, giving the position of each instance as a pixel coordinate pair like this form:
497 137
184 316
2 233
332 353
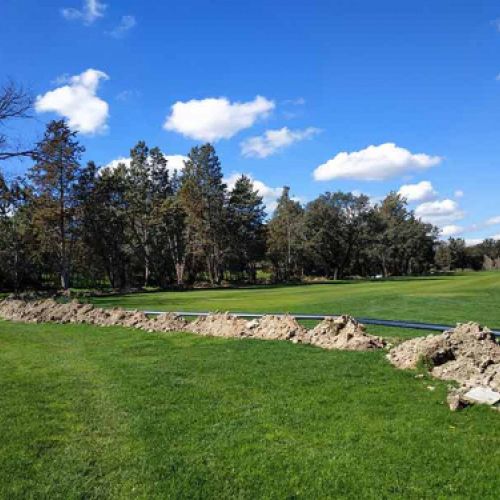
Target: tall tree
286 237
246 227
203 198
325 227
17 246
54 177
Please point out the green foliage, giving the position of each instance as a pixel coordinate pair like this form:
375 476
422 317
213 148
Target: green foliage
143 225
286 238
54 177
203 198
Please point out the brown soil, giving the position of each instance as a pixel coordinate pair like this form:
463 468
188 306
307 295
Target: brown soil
219 325
276 328
344 333
340 333
468 354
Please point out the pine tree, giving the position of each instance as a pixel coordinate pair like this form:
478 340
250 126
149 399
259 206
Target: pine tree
246 223
286 237
203 198
54 177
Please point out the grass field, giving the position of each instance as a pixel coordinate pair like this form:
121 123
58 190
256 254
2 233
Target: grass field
443 299
91 412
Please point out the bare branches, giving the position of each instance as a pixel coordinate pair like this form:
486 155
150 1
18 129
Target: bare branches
4 155
15 103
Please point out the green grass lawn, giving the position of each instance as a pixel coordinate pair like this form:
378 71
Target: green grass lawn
89 412
442 299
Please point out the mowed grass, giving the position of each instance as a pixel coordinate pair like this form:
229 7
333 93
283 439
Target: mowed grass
89 412
441 299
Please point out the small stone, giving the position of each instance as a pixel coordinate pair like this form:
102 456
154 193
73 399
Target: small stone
483 395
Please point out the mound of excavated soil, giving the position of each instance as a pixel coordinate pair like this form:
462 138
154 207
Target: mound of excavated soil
333 333
42 311
277 328
468 354
219 325
343 333
168 322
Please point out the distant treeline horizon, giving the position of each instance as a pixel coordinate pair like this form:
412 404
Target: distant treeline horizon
66 224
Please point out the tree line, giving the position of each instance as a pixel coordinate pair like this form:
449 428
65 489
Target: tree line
143 224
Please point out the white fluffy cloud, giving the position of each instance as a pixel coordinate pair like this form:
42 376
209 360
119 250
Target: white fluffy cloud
78 102
439 212
175 162
422 191
126 24
269 194
493 221
374 163
459 193
90 11
215 118
272 141
451 230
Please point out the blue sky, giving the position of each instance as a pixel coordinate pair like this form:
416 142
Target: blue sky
378 94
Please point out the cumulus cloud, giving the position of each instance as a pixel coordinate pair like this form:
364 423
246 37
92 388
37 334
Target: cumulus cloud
374 163
269 194
174 162
493 221
451 230
90 11
126 24
215 118
459 193
422 191
272 141
439 212
78 102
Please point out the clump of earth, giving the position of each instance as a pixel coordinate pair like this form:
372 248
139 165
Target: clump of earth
467 354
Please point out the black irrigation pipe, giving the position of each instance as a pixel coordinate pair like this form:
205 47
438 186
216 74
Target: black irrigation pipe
414 325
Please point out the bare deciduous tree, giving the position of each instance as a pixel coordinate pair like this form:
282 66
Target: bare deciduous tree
15 103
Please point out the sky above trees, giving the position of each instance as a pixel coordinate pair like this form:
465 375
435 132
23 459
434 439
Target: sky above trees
321 95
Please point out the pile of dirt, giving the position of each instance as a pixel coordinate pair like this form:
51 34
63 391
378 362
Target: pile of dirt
276 328
168 322
333 333
467 354
343 333
42 311
219 325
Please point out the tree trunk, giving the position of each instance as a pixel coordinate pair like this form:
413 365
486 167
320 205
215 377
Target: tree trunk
179 271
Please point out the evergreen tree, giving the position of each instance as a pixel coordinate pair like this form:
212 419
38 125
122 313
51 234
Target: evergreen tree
203 198
54 176
246 227
286 237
